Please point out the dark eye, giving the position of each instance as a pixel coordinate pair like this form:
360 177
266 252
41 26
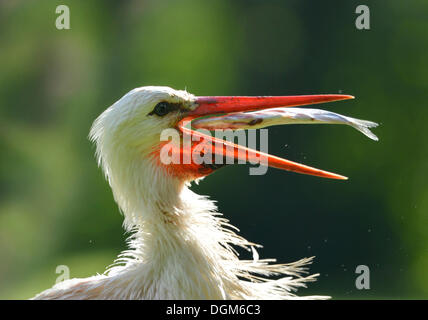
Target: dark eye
161 109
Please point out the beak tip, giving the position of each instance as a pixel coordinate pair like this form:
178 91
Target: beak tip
335 176
347 97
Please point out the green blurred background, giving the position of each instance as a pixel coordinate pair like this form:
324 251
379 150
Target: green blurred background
57 209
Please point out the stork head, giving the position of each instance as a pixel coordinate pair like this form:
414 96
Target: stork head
128 134
133 125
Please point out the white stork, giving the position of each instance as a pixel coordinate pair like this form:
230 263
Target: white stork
181 248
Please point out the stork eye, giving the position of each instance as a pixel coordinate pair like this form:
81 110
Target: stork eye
161 109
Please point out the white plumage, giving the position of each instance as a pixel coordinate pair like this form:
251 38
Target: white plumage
181 247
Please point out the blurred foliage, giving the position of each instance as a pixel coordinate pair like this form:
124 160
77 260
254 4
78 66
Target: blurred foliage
57 209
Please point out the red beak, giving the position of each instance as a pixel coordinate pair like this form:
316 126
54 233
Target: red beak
218 105
215 105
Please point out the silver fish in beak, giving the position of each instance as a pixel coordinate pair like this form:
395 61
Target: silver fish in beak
280 116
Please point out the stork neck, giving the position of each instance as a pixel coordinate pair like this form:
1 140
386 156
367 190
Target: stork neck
145 192
182 250
175 232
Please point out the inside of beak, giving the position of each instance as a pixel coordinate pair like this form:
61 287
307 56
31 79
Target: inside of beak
267 111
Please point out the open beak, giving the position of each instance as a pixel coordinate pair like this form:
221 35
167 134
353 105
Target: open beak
236 112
